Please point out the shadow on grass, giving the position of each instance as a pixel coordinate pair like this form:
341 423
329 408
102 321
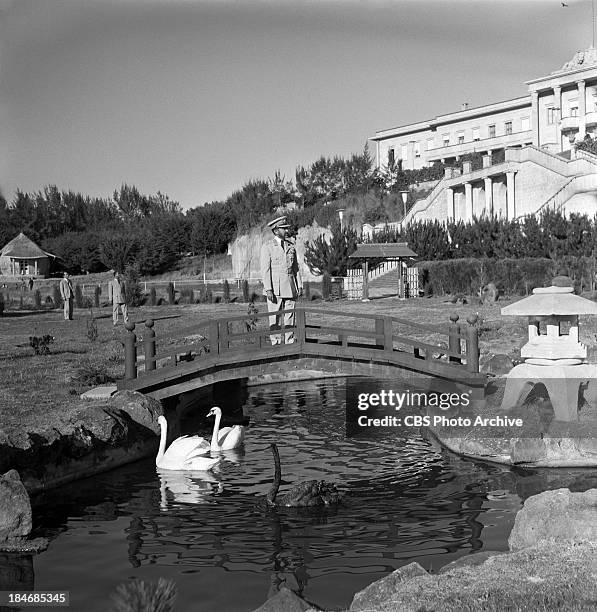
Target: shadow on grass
13 314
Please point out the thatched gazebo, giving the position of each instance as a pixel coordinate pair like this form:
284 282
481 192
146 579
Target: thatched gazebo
22 257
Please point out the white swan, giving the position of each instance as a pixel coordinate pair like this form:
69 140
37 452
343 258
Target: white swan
227 438
185 453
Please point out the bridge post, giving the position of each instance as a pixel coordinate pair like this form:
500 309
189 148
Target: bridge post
214 338
388 343
300 322
149 346
454 339
379 332
130 352
472 344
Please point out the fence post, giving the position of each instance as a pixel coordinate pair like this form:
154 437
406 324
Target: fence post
472 344
300 322
214 338
454 339
130 352
149 346
365 281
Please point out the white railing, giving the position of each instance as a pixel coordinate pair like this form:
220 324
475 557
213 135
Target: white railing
382 269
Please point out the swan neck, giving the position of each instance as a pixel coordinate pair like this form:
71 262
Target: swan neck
162 448
273 492
216 431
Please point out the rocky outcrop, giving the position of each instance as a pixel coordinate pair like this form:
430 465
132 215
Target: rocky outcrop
285 600
555 516
550 567
15 516
94 437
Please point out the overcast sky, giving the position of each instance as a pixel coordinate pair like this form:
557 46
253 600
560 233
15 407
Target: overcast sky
194 97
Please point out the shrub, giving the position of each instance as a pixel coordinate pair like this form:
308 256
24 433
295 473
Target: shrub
251 321
186 295
152 297
41 344
468 276
97 292
331 257
245 286
92 332
307 290
93 371
56 297
326 286
171 293
132 287
37 299
226 292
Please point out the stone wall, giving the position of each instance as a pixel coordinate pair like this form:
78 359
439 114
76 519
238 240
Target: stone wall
245 250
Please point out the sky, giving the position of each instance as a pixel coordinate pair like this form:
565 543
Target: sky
193 98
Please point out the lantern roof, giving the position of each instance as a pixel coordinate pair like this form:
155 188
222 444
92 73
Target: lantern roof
559 299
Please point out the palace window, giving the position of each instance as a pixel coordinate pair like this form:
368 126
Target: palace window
461 138
552 116
429 144
574 111
404 152
417 148
508 127
391 157
492 131
525 124
476 134
446 140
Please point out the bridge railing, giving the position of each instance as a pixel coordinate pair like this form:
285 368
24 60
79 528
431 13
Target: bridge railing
218 337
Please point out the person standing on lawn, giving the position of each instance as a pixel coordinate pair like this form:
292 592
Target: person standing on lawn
281 277
67 294
116 293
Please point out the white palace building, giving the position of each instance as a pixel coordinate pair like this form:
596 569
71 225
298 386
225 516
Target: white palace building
539 168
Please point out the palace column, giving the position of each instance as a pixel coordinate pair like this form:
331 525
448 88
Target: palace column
488 196
534 117
468 201
557 101
582 110
510 196
450 203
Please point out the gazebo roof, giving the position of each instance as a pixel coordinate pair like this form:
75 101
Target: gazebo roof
22 247
383 250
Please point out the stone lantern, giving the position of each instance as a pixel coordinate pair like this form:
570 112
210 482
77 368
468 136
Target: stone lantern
556 358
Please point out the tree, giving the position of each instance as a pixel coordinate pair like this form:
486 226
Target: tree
331 257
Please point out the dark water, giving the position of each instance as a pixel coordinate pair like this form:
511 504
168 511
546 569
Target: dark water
406 501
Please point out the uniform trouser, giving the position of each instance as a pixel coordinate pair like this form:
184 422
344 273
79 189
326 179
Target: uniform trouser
68 308
275 320
125 313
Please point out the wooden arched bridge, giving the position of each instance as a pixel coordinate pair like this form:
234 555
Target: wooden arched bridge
240 346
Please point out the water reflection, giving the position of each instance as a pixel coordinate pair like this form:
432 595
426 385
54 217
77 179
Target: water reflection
406 499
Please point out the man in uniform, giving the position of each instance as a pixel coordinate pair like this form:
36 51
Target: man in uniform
67 294
281 276
116 293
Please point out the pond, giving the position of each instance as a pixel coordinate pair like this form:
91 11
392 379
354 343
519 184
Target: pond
406 500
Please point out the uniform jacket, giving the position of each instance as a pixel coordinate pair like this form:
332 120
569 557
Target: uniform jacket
280 270
116 291
66 289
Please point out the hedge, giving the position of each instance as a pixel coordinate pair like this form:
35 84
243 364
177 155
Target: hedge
511 276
